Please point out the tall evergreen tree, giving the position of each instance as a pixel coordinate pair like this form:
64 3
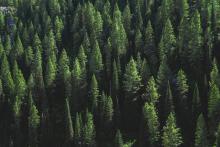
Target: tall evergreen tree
118 142
94 93
132 79
201 133
69 124
152 91
171 134
151 120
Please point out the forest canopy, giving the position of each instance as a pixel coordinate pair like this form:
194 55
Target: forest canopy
109 73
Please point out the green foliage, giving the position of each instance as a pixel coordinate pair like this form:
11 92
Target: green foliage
94 93
152 91
89 130
171 134
151 119
167 43
132 78
201 133
214 100
69 124
118 142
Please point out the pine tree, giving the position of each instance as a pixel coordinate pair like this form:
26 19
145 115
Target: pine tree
145 71
54 7
33 124
127 18
167 43
64 73
8 83
18 49
94 93
58 30
150 47
168 103
89 130
50 74
171 134
163 76
2 22
118 142
76 85
108 111
183 8
118 35
95 62
82 57
69 124
152 91
78 129
28 53
195 43
8 45
196 102
214 100
201 133
151 120
19 81
214 75
115 80
138 41
182 85
132 79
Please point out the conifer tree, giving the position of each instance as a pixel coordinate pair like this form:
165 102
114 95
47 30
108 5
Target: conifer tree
127 18
196 102
171 133
82 57
214 75
118 142
152 91
95 62
78 129
132 79
118 35
182 85
64 73
28 53
33 124
89 130
168 102
69 124
145 71
201 133
8 83
195 43
50 74
163 75
8 45
150 47
214 100
2 22
19 81
94 93
18 49
58 30
167 43
151 120
115 80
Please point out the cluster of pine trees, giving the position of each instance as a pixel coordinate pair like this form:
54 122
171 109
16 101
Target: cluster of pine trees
110 73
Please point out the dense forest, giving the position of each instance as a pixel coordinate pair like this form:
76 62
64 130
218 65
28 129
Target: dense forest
109 73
